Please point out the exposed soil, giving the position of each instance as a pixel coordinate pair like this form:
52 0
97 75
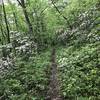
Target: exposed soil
54 91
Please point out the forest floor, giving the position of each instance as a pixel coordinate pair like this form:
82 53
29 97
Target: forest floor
59 73
54 86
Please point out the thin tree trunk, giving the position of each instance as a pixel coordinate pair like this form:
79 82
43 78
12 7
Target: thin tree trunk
6 22
22 4
14 15
28 20
3 37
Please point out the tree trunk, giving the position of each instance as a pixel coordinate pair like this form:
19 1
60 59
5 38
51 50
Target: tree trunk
6 22
22 4
14 15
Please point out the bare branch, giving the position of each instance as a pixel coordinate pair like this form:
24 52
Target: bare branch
61 14
19 2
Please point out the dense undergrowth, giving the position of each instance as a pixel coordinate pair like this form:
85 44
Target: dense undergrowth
28 80
79 71
78 75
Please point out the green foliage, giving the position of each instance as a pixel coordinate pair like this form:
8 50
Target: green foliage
79 70
72 27
28 79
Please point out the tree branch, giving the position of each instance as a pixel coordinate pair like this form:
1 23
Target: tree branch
61 14
19 2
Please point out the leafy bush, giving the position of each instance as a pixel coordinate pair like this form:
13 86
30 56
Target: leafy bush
79 70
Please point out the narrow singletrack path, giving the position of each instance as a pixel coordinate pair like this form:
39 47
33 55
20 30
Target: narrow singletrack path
54 89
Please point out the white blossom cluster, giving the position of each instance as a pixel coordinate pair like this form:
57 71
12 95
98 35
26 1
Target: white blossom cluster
21 44
5 64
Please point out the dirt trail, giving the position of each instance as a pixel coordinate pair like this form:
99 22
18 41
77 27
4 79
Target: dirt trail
54 91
